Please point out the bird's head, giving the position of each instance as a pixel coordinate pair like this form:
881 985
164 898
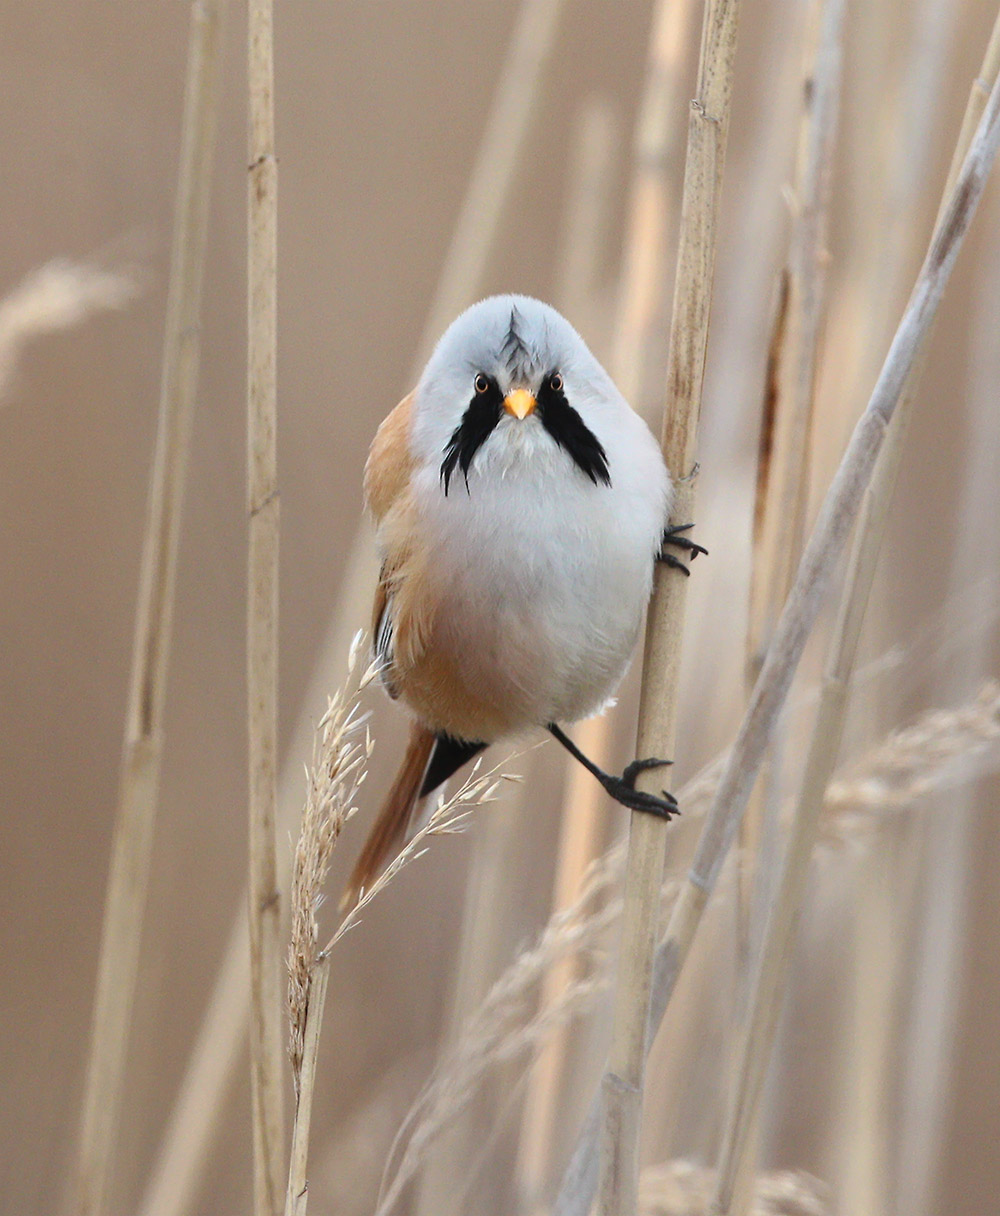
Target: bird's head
512 375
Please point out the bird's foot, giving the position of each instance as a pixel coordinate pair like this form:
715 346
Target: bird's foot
672 536
623 790
642 766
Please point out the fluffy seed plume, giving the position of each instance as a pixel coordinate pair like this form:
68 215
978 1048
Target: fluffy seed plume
941 749
341 752
57 295
449 816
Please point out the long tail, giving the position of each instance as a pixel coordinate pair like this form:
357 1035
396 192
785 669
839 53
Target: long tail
430 759
389 830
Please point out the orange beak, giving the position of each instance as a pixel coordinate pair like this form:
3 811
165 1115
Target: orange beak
520 403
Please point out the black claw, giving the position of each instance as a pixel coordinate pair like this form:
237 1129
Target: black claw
668 559
641 766
672 536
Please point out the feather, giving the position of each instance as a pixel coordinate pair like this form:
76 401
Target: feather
389 831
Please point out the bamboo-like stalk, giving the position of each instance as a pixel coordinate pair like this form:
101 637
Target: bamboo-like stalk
139 779
707 131
825 743
266 1056
836 516
786 490
297 1194
783 480
783 515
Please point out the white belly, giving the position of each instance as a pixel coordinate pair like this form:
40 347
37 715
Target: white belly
544 578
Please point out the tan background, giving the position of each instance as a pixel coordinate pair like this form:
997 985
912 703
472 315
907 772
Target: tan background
380 108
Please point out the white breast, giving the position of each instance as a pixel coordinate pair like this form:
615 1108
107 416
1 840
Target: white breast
544 575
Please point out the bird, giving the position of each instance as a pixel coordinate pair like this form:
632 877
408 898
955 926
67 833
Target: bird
520 505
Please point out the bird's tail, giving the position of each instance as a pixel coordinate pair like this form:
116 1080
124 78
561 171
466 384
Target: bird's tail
390 828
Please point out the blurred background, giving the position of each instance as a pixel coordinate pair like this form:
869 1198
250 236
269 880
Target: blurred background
894 1015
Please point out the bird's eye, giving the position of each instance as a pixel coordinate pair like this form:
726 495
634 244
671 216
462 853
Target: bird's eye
556 382
481 383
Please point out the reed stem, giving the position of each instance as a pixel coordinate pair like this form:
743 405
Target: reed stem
139 780
266 974
707 129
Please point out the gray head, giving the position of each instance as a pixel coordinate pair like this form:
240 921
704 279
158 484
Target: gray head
512 361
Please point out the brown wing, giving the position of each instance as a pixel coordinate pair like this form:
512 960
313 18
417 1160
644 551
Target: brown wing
390 461
402 607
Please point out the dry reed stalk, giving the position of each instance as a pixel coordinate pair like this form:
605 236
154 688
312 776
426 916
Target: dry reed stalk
939 987
786 440
55 296
142 750
493 178
758 1040
786 460
783 515
297 1194
707 132
339 768
815 571
264 915
340 765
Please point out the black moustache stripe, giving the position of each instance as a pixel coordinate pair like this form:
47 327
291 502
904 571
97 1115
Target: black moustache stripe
558 417
478 422
572 434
